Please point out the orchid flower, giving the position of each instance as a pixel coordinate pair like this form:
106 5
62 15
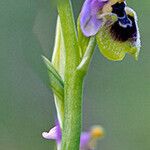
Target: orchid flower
110 24
115 27
87 140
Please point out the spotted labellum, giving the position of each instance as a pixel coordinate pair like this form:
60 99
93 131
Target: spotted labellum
115 26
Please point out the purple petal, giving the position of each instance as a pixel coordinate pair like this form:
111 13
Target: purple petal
59 134
53 134
85 139
89 23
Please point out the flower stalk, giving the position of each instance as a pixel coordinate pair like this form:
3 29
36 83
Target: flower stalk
73 112
72 80
84 64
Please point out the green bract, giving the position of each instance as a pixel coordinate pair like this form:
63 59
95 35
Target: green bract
56 72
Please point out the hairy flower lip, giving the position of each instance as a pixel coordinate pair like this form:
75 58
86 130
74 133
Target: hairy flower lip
123 33
115 40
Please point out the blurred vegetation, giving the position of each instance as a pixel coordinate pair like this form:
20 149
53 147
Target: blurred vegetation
116 95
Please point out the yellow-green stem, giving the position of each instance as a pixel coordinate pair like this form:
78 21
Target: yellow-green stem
73 112
73 81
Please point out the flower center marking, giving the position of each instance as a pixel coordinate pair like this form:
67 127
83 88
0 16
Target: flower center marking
119 10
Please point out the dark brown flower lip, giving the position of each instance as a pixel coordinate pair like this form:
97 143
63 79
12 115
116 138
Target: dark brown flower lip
122 34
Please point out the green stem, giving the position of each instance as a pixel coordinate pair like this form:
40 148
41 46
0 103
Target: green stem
73 81
73 112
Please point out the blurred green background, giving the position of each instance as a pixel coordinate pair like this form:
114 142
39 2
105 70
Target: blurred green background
116 94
